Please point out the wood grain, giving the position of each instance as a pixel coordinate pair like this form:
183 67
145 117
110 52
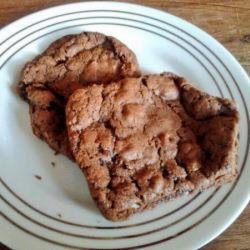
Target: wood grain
226 20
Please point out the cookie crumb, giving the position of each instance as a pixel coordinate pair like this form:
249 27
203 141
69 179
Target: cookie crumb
53 164
38 177
59 215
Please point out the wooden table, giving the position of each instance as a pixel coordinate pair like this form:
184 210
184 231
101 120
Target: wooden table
226 20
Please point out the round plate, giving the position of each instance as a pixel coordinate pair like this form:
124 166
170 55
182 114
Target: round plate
49 207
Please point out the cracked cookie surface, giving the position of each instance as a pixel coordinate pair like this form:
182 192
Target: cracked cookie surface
66 65
142 140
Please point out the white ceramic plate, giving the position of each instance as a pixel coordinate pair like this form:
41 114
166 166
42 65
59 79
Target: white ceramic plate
57 211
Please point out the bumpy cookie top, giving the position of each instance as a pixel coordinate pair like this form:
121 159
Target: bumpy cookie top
77 59
68 64
143 139
128 118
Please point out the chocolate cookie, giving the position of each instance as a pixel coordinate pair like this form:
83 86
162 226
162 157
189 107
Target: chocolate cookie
146 139
66 65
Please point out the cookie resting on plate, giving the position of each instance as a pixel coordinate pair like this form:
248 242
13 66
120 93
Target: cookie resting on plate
66 65
144 139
